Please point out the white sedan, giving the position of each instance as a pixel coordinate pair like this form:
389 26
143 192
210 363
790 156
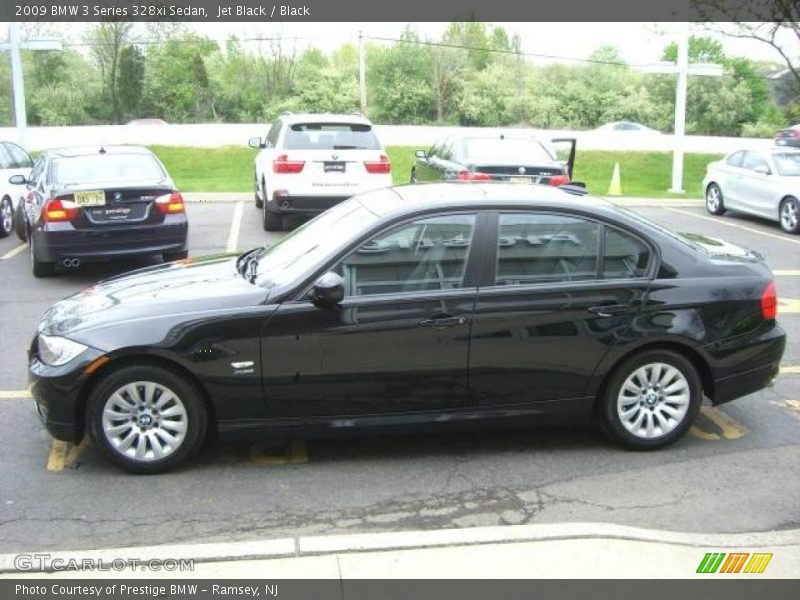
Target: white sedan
765 184
13 161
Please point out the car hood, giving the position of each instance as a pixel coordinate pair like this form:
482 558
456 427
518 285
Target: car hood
190 286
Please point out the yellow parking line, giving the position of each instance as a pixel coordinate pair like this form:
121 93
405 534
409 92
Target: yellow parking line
790 370
702 433
731 429
14 251
236 225
787 273
57 460
723 221
14 394
788 306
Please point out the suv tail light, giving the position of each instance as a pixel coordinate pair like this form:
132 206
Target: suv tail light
381 166
170 203
769 302
282 164
473 176
558 180
58 210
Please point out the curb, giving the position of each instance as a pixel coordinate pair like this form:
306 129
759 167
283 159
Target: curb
408 540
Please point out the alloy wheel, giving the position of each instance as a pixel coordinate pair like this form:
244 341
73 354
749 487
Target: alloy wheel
790 215
712 199
653 400
144 421
6 217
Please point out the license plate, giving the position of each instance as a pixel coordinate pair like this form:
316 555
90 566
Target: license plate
90 198
334 167
519 179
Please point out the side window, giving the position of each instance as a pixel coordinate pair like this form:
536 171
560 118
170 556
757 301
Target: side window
735 159
38 168
625 257
272 136
539 248
752 160
426 254
19 157
5 158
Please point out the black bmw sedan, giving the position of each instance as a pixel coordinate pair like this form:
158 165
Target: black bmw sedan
410 306
98 203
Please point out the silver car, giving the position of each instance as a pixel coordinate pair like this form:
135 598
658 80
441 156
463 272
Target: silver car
765 184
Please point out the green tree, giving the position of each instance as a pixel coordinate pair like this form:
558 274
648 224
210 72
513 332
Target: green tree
130 80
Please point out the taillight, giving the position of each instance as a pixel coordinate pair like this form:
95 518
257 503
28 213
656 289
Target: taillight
282 164
381 166
473 176
769 302
58 209
170 203
558 180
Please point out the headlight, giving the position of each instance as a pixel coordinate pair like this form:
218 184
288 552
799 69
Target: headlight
56 351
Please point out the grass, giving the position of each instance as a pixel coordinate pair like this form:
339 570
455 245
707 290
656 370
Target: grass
645 174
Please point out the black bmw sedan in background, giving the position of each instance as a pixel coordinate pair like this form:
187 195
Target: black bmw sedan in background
432 304
99 203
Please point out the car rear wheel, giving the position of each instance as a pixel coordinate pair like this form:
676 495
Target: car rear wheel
40 268
651 400
170 256
19 222
714 200
259 201
6 217
146 419
790 215
272 220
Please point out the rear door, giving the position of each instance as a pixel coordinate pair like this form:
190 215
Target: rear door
561 292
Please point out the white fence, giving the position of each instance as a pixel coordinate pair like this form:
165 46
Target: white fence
220 134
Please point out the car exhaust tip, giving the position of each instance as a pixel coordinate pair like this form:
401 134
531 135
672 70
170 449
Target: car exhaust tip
71 263
285 204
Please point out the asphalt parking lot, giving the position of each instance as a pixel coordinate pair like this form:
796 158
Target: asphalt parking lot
738 470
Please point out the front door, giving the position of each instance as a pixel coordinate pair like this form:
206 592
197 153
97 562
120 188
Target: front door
399 340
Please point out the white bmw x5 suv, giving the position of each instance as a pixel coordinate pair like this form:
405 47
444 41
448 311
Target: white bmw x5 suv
310 162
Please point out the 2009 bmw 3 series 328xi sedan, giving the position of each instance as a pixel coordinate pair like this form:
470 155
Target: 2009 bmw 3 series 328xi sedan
411 306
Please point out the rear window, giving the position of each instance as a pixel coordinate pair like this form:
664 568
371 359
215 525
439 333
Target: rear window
106 167
787 163
505 149
331 136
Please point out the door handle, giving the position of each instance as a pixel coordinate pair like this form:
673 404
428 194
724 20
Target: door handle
444 321
609 310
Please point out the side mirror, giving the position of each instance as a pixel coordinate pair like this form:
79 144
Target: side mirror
17 180
328 290
763 169
255 142
420 154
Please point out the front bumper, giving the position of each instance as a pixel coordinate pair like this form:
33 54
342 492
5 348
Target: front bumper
57 393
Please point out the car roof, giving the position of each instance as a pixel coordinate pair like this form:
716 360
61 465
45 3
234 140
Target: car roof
294 118
74 151
410 198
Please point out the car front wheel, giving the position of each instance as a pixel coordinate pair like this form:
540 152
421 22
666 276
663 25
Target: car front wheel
790 215
714 200
651 400
146 419
259 201
6 217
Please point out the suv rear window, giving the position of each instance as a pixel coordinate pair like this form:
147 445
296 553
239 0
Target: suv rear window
331 136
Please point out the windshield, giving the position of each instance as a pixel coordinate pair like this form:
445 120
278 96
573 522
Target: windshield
512 149
331 136
787 163
106 167
303 249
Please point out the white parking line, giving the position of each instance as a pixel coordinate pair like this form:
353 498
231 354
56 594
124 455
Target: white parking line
14 251
236 225
786 273
729 224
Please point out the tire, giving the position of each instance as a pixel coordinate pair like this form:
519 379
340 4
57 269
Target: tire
635 415
38 267
6 217
413 176
126 418
790 215
259 201
170 256
714 200
272 220
19 223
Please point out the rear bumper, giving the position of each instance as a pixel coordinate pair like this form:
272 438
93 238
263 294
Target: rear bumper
758 365
54 245
304 205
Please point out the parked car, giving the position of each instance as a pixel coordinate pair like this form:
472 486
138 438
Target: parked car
431 305
788 137
146 121
765 184
311 162
626 127
13 161
99 203
483 157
